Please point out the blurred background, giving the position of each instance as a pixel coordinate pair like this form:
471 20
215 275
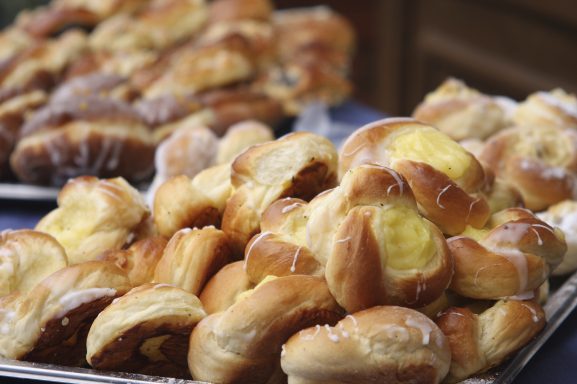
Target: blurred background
408 47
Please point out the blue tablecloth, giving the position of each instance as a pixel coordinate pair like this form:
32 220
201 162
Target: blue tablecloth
555 363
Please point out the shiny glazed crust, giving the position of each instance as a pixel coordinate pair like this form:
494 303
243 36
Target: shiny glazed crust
223 289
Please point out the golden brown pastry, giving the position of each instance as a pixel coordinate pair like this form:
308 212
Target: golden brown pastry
12 41
202 67
461 112
26 258
49 323
159 25
13 113
446 179
241 136
60 14
381 345
224 288
139 260
297 84
96 84
192 257
243 343
514 255
184 203
145 331
94 216
563 216
232 10
556 108
539 161
299 165
126 63
84 136
481 341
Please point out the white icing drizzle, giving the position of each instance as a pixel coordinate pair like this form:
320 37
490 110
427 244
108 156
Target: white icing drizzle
471 208
422 326
397 178
332 336
539 240
310 337
259 238
354 150
162 285
355 322
65 321
441 194
519 261
534 316
282 350
475 280
544 227
344 332
523 296
296 256
345 240
74 299
291 207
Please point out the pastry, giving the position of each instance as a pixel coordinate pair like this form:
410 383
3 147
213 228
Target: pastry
446 180
191 257
562 216
50 322
145 331
556 108
461 112
94 216
232 10
83 136
513 256
225 287
381 345
243 343
26 258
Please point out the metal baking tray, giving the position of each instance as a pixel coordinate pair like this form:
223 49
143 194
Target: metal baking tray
558 307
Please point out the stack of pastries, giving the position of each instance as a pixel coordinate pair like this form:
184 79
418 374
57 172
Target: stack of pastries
93 87
400 258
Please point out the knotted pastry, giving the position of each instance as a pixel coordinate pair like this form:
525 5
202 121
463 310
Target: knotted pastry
49 323
184 203
445 179
13 113
145 331
232 10
461 112
299 165
191 257
243 343
540 162
84 136
202 67
225 287
513 256
500 194
380 345
126 63
481 341
96 84
94 216
548 109
26 258
564 216
159 25
139 260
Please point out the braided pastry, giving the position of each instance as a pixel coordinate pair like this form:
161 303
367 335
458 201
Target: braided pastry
26 258
300 164
49 323
191 257
224 288
515 255
242 343
139 260
145 331
480 342
380 344
184 203
563 216
445 179
554 109
94 216
540 162
461 112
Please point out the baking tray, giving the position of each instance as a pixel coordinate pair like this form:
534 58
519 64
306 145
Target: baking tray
558 307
